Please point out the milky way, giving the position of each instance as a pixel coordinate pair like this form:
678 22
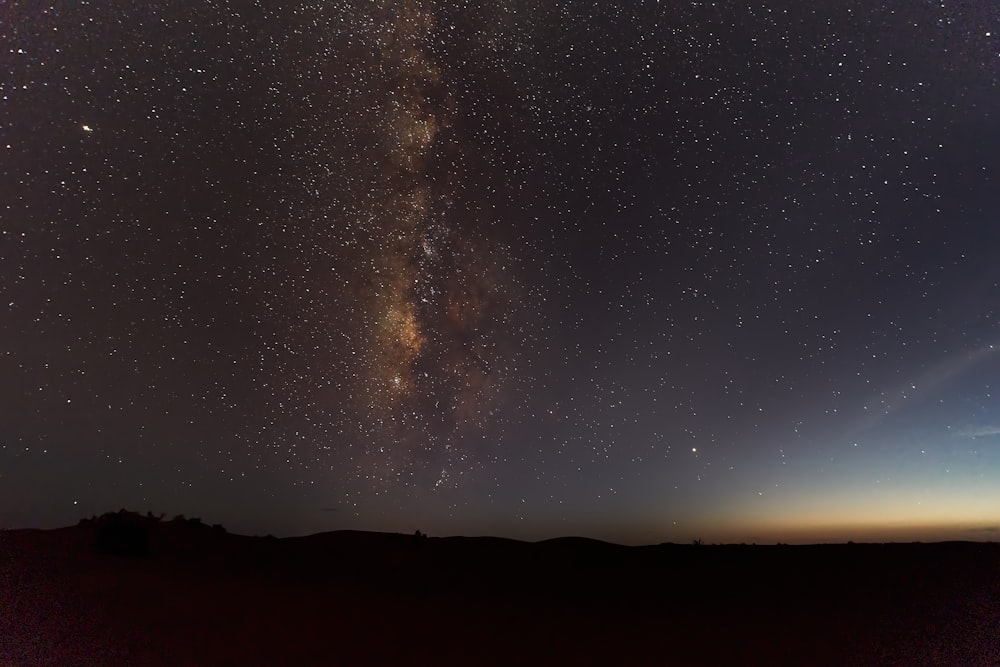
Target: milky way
434 284
404 325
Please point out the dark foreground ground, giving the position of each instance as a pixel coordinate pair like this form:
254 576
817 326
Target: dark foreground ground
175 594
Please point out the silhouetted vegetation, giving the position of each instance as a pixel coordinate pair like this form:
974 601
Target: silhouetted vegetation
125 533
122 533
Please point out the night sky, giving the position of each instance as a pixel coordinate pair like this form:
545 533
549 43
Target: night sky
653 272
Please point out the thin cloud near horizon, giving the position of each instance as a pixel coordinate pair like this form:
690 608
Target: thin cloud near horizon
979 432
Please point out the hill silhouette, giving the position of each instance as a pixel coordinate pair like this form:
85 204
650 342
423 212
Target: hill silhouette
139 589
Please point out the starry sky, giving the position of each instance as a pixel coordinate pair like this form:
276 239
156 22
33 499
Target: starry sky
640 271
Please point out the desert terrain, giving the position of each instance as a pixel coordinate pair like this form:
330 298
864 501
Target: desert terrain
139 591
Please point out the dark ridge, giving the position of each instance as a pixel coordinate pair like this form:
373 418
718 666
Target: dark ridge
126 588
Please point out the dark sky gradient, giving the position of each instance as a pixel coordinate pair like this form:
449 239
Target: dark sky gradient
647 273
